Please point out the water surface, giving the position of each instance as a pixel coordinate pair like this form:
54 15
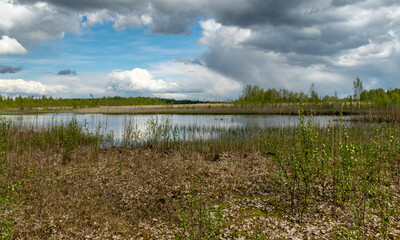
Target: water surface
117 124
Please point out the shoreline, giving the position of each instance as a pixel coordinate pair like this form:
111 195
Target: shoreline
205 109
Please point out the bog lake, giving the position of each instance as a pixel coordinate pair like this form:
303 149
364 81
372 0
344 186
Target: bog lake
117 126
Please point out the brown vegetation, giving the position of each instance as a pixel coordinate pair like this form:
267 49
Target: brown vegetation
136 193
267 184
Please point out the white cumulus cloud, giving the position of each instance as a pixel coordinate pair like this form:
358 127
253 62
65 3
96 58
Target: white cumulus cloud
370 53
20 86
11 46
216 33
138 80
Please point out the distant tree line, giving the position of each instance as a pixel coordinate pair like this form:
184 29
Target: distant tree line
254 95
28 103
381 97
251 95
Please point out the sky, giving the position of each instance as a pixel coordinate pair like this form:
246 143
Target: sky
196 49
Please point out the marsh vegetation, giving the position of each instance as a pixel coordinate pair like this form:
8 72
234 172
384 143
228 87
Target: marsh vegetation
63 181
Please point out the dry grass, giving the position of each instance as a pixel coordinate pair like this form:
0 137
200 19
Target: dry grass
144 192
123 191
136 193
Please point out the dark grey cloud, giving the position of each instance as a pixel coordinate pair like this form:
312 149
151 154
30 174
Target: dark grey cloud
328 43
239 64
286 39
31 23
257 12
9 69
279 26
320 41
272 71
186 60
345 2
94 4
67 72
175 17
352 2
171 25
228 12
